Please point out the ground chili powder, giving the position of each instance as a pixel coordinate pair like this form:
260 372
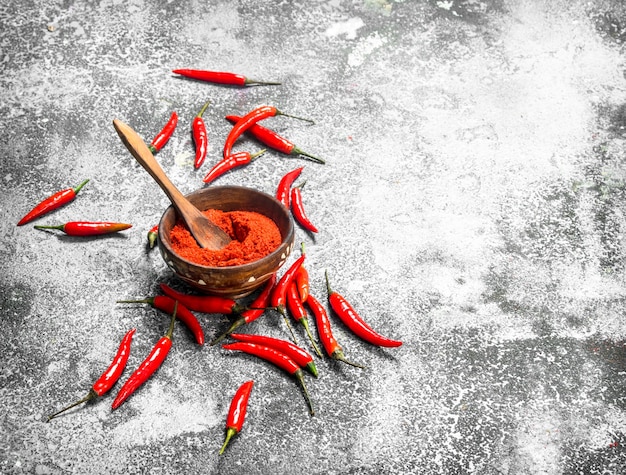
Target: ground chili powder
253 235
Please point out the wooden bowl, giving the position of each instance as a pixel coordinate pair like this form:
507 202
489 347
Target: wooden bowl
233 281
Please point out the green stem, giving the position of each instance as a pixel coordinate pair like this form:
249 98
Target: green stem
170 330
230 432
78 188
251 82
90 395
328 289
149 301
206 104
281 309
236 324
58 226
339 356
300 377
257 154
297 151
295 117
305 323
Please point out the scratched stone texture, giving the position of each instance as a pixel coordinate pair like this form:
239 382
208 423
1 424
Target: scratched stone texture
472 204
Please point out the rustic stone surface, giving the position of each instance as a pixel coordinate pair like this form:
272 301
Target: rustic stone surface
472 204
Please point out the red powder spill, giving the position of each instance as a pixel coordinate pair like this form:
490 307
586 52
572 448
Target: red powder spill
253 235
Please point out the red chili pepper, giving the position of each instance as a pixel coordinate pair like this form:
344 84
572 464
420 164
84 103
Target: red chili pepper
153 235
348 315
108 379
284 186
53 202
302 283
278 299
164 135
298 312
203 303
302 357
255 310
297 208
88 228
200 137
271 139
248 120
277 358
219 77
167 304
332 347
232 161
153 361
237 412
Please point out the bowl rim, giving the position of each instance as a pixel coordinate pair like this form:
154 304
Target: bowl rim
285 241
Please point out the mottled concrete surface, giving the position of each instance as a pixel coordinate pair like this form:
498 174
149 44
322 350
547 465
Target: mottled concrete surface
472 205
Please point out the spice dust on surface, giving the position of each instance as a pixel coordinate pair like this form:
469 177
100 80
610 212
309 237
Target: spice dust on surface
253 235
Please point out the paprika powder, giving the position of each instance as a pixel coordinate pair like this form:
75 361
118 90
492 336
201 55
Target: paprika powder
253 235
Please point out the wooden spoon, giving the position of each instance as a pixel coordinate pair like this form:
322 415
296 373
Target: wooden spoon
207 234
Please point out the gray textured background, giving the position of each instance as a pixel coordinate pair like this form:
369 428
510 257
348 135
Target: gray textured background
472 205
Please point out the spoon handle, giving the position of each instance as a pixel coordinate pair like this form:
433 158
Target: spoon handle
206 233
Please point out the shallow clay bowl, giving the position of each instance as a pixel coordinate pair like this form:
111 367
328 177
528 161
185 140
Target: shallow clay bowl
233 281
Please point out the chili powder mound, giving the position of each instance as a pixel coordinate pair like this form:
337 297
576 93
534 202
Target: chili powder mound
253 235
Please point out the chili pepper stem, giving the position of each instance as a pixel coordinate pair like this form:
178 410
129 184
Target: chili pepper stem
41 226
281 310
79 187
170 330
230 432
297 151
236 324
339 356
204 107
90 396
305 324
300 377
328 289
254 82
295 117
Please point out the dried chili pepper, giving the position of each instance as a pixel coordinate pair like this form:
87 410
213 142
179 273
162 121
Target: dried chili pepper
237 412
297 208
51 203
277 358
200 137
108 379
153 361
153 235
228 163
302 357
219 77
329 342
271 139
248 120
298 312
203 303
302 283
278 299
284 186
349 316
88 228
255 310
159 141
166 304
